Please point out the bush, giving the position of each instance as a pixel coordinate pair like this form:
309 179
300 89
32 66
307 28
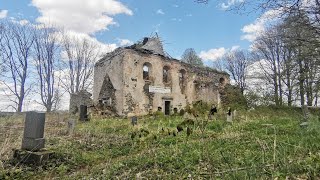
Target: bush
201 107
158 114
255 99
181 113
232 97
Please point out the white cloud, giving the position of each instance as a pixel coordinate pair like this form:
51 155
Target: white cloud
80 19
176 19
213 54
216 54
160 11
234 48
175 5
189 15
3 14
253 30
230 3
125 42
101 47
80 15
23 22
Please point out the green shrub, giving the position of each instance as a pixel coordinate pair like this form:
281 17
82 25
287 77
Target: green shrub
232 97
181 113
158 114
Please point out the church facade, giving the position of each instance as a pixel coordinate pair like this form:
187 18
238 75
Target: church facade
141 78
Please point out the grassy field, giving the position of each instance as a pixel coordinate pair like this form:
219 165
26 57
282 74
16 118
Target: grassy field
260 144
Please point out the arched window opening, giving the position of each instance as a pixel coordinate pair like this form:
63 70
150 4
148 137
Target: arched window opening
182 74
222 81
182 79
166 74
146 71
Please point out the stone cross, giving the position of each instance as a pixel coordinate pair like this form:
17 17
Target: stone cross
83 113
33 131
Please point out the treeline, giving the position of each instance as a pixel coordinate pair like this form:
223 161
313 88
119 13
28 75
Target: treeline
43 60
289 60
282 68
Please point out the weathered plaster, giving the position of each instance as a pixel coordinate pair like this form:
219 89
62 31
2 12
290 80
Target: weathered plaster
130 92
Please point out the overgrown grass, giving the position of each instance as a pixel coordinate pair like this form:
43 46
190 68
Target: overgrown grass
264 143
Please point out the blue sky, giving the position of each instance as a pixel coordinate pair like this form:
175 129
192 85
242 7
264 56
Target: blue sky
207 28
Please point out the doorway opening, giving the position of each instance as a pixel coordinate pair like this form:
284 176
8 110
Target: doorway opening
167 107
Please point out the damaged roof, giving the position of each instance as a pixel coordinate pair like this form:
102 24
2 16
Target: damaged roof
153 45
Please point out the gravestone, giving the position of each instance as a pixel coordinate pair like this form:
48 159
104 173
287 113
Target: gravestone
229 118
212 111
71 126
32 150
304 124
134 120
234 114
33 131
229 115
175 111
83 113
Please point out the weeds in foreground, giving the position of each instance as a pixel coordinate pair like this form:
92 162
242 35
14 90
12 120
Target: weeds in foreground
260 144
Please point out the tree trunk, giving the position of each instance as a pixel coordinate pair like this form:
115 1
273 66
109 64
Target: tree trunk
289 86
20 103
301 83
275 84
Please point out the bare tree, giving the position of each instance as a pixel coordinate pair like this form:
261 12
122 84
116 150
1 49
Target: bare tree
81 55
290 56
57 99
46 52
16 48
1 51
268 46
237 63
286 7
289 73
190 56
218 64
303 40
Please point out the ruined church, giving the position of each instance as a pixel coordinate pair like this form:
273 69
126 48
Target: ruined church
142 78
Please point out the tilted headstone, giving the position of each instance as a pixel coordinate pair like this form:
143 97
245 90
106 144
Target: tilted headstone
83 113
33 131
304 124
134 120
71 126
